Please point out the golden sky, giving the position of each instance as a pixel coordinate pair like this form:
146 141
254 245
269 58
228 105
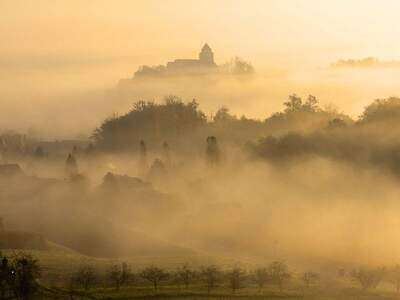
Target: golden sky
255 29
52 50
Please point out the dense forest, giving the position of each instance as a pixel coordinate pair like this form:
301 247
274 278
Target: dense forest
303 129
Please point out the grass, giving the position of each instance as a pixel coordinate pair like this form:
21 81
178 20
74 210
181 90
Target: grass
170 292
58 263
174 292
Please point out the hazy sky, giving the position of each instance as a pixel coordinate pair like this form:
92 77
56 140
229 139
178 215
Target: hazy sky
161 29
51 49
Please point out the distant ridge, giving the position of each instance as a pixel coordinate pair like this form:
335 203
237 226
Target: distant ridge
367 62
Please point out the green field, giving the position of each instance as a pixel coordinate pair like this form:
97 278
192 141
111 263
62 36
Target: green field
175 292
58 263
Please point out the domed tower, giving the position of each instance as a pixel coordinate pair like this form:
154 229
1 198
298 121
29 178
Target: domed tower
206 56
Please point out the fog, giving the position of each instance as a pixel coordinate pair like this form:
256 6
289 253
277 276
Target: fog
296 162
66 58
318 211
315 213
67 93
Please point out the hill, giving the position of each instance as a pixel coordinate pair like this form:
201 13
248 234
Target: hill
22 240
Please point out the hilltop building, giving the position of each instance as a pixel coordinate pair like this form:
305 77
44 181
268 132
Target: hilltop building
206 59
203 64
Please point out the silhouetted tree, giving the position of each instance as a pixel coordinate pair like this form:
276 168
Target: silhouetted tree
142 157
39 152
186 275
154 275
71 286
157 170
75 150
85 277
110 183
310 278
294 104
149 121
242 67
239 66
119 275
311 104
3 146
336 123
4 276
166 154
24 273
211 276
261 277
279 273
368 278
394 277
381 110
212 151
236 277
71 167
223 115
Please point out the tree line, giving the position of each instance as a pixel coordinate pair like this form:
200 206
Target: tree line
20 277
303 128
210 277
276 274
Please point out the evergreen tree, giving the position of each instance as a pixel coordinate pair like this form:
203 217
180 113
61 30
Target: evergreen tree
39 152
142 157
212 151
166 154
71 167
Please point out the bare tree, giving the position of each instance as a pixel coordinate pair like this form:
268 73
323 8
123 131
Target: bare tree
279 273
368 278
71 286
236 278
210 275
4 276
119 274
23 275
261 277
310 278
85 277
154 275
186 275
394 277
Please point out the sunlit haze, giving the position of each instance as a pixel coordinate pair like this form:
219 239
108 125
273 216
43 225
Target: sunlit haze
208 149
51 49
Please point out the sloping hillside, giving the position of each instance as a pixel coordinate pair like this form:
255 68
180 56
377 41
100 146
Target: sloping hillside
22 240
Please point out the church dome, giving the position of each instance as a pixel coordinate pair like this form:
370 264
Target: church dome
206 47
206 55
